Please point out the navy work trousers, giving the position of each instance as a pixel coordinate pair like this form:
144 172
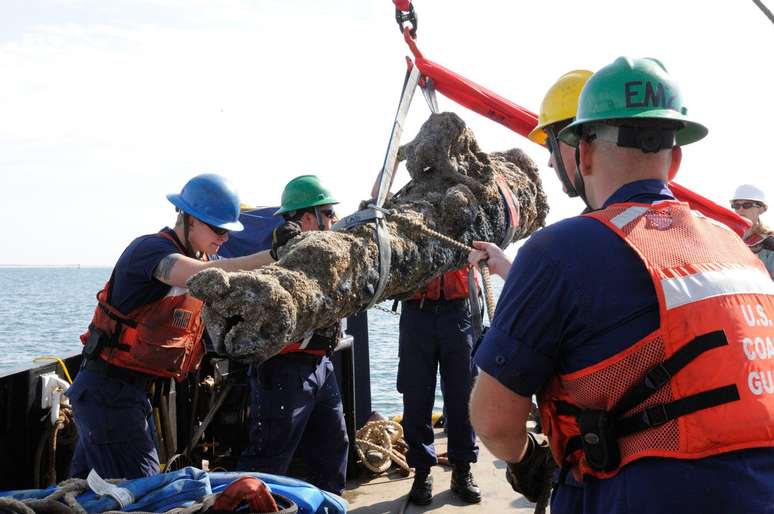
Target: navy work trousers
296 405
115 430
432 337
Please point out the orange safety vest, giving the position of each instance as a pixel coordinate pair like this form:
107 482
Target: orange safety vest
314 344
757 242
702 383
162 338
305 347
452 285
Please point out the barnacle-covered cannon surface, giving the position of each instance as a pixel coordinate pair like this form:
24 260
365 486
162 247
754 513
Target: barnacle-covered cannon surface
322 277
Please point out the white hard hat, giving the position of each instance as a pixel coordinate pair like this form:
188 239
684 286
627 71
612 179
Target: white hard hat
750 192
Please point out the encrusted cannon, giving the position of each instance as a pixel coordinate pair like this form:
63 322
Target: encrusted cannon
322 277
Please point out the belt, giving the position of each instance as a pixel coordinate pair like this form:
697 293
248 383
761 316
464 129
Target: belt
436 305
131 377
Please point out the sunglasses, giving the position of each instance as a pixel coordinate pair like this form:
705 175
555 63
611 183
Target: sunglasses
553 130
218 231
744 205
329 213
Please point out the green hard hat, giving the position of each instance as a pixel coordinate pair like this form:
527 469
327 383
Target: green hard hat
304 192
633 89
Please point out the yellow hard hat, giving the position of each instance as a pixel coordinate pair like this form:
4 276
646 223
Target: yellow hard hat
560 103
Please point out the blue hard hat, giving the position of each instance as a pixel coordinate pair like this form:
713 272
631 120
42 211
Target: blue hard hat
211 199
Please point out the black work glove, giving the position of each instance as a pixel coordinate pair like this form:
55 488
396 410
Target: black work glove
281 235
534 474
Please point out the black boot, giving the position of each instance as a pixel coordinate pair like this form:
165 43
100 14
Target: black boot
422 489
463 485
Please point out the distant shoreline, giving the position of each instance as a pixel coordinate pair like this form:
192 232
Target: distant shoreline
59 266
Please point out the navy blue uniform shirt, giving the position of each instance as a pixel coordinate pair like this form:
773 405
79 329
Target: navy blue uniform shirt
576 295
133 282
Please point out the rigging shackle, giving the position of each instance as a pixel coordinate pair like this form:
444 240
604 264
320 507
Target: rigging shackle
404 12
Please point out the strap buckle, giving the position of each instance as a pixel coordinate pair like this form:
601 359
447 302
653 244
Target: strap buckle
358 218
655 416
656 377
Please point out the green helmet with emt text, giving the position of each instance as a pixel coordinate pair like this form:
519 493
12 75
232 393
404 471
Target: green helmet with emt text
304 192
634 89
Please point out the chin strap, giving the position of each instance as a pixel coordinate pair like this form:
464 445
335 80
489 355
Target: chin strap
575 188
561 170
319 217
189 251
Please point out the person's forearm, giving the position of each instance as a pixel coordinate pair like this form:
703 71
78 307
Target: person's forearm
502 269
246 263
494 257
508 447
499 417
498 262
176 269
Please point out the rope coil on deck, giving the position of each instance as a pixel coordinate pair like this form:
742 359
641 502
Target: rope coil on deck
377 444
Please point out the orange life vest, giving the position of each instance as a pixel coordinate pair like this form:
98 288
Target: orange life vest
452 285
162 338
701 384
316 344
757 242
304 347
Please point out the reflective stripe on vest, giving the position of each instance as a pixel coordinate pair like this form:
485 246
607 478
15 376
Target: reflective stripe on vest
707 282
452 285
162 338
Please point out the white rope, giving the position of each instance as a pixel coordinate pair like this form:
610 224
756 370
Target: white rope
380 437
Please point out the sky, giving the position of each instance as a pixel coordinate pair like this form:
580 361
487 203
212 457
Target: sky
108 105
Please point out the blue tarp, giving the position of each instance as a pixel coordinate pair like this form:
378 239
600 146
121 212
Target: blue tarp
308 498
158 493
256 236
182 488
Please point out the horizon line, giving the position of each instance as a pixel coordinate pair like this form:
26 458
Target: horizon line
54 265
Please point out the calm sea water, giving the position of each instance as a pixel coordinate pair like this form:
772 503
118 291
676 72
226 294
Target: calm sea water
43 311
